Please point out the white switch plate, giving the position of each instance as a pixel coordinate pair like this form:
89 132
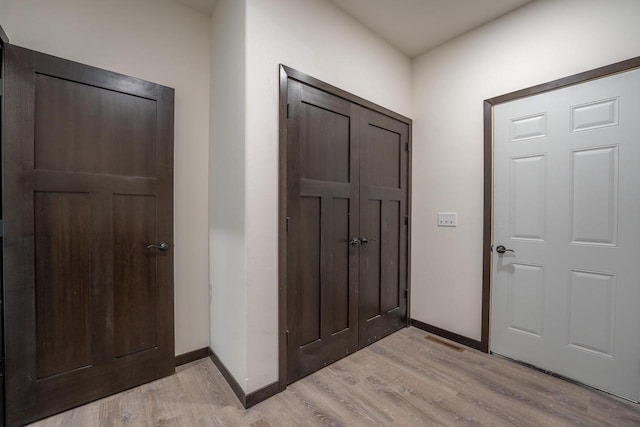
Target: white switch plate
447 219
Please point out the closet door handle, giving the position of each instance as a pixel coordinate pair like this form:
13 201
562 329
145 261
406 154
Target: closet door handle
354 242
162 246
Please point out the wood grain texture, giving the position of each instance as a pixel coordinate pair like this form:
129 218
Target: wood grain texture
384 200
134 274
3 39
283 179
63 282
74 335
315 89
322 207
117 135
402 380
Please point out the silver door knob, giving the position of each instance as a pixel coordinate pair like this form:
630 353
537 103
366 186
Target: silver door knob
501 249
354 242
162 246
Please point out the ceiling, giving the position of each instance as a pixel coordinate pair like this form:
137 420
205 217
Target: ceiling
412 26
415 26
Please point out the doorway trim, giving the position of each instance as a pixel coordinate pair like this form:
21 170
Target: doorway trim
287 73
618 67
3 37
4 40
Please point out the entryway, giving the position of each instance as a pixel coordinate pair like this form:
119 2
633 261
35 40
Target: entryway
566 231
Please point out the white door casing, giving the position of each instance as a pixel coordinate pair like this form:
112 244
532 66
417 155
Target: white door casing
567 201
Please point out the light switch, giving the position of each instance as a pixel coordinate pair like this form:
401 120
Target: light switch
447 219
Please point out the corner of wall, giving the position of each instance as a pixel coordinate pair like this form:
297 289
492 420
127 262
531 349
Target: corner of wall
227 205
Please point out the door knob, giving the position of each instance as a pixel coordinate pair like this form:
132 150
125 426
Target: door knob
501 249
163 246
354 242
365 240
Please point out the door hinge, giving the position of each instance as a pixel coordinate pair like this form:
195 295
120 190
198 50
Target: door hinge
1 88
406 293
406 220
286 333
1 228
406 147
287 225
2 366
288 110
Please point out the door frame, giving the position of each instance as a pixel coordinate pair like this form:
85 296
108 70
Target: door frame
3 37
287 73
3 41
487 249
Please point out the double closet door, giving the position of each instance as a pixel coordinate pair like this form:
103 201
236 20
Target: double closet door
347 227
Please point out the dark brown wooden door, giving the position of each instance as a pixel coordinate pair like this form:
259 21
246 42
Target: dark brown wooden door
88 177
347 198
384 185
323 203
3 41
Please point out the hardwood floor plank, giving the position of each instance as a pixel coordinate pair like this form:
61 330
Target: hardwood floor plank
328 391
402 380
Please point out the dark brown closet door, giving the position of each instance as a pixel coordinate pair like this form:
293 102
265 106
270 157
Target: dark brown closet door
3 41
322 209
383 211
88 178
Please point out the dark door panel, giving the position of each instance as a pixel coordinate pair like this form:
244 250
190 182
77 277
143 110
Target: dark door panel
384 200
323 216
88 172
3 41
63 282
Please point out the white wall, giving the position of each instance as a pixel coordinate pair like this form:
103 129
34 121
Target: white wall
315 37
543 41
166 43
227 275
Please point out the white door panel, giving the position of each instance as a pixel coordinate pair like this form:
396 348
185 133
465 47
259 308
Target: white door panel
567 201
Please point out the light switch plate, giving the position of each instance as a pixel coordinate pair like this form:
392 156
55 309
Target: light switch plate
447 219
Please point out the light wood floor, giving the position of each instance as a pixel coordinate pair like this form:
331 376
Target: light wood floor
403 380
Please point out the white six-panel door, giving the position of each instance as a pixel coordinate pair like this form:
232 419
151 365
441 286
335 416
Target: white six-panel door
567 201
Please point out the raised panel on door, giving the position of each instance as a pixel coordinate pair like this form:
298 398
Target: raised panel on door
118 135
134 274
591 308
88 175
309 270
384 200
322 210
63 282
